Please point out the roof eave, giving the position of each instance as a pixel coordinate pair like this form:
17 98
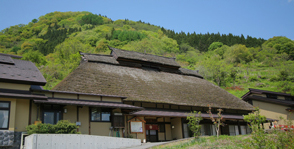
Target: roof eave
42 83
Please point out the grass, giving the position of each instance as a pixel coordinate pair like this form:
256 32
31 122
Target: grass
208 142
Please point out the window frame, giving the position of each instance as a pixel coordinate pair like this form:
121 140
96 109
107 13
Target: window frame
2 108
271 96
101 110
287 98
54 110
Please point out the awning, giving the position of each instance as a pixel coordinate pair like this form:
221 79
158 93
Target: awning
161 113
88 103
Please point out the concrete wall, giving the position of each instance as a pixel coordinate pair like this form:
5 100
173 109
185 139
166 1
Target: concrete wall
76 141
177 130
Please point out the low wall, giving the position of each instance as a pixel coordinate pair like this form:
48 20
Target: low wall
77 141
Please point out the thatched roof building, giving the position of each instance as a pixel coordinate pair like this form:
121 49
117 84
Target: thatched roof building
146 78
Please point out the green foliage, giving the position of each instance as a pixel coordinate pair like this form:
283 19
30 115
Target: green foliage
36 57
215 45
34 20
93 19
253 78
184 47
62 127
283 75
281 44
65 127
194 119
127 35
40 128
237 54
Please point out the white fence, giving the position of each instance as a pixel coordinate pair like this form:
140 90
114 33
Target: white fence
77 141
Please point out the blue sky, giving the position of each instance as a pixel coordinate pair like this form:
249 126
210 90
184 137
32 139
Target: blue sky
257 18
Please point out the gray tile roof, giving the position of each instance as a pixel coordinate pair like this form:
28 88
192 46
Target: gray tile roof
6 60
24 72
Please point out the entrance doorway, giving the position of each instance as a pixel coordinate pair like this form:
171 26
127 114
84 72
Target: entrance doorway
151 132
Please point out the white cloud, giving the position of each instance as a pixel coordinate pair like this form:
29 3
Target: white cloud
289 1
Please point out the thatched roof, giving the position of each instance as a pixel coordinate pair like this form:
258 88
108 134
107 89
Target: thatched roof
19 71
139 84
131 55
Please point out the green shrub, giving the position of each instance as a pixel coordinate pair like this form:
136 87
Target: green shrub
253 78
40 128
63 126
274 79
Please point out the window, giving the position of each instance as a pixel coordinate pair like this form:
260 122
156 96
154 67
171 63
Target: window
118 121
52 113
272 96
289 98
161 127
4 114
100 114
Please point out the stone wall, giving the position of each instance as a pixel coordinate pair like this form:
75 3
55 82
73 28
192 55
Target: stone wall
10 139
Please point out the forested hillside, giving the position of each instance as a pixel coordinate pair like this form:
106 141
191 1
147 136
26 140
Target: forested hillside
233 62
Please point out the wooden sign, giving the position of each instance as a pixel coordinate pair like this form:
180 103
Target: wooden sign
136 127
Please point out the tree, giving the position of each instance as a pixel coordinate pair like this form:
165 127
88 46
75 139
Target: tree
258 136
216 121
237 54
194 119
215 45
34 20
282 44
233 75
93 19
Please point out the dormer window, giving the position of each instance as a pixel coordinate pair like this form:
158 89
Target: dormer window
271 96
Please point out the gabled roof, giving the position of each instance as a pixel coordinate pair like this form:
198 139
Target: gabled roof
139 84
131 55
258 91
20 71
247 97
6 60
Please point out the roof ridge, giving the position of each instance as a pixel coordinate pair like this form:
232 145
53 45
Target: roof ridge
141 53
10 55
82 53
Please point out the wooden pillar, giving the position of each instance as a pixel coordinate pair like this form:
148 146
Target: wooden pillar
239 128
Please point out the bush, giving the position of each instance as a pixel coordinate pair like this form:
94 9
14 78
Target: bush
62 127
253 78
274 79
40 128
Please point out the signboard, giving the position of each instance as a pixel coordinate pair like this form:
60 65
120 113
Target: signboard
136 127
